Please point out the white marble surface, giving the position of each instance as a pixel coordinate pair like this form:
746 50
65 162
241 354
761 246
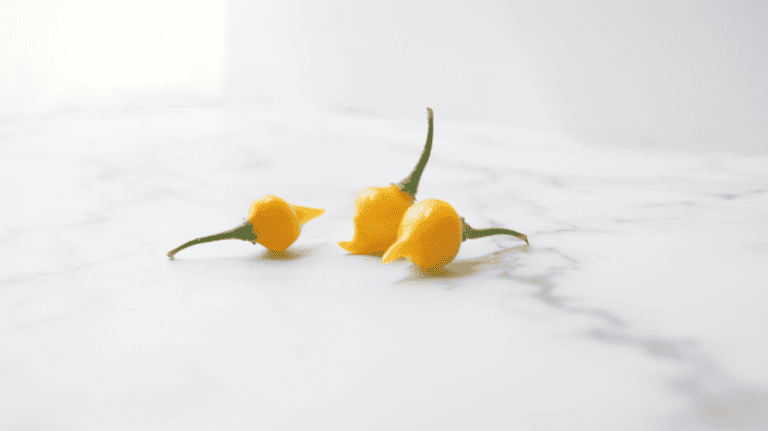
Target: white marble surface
639 305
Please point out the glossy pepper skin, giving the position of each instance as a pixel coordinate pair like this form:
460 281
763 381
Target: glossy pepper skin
271 222
378 210
431 234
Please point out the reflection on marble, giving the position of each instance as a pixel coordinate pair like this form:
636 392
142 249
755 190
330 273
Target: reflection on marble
637 306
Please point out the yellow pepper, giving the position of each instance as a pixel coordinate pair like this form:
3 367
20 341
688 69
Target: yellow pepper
272 222
431 233
378 210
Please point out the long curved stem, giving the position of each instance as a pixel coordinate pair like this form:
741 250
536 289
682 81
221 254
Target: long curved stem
468 232
243 232
411 183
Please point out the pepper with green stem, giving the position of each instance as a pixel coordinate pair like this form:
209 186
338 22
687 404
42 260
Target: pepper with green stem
271 222
378 210
432 232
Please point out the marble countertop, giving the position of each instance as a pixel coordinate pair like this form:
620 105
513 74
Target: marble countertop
637 306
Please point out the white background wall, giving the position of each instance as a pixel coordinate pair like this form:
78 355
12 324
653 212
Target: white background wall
686 74
59 54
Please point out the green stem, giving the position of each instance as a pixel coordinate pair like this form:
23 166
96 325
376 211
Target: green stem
243 232
468 232
411 183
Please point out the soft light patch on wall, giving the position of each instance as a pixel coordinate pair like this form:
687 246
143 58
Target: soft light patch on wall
85 52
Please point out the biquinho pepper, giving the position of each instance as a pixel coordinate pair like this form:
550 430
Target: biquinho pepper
432 232
272 222
378 210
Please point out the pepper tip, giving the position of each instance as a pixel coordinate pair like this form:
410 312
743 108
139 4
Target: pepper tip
346 245
396 251
305 214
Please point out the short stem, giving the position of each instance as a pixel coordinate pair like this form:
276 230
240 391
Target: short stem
243 232
411 183
468 232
